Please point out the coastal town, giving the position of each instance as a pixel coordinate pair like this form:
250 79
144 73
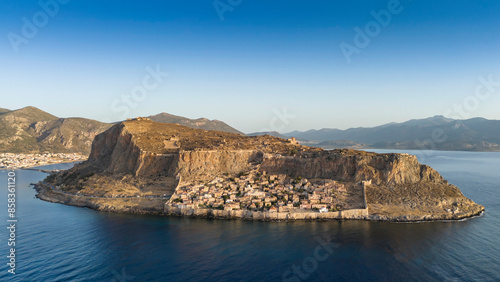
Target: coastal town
15 161
258 191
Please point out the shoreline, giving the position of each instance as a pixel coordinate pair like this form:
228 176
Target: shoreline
38 160
39 165
159 207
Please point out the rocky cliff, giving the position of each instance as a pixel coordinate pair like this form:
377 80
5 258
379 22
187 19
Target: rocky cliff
146 156
401 188
145 148
351 165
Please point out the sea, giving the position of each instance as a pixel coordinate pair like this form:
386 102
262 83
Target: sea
55 242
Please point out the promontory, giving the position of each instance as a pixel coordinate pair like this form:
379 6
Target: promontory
141 166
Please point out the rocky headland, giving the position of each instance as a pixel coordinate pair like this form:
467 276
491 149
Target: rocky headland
141 166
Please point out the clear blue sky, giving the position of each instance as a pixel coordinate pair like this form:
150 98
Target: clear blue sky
263 57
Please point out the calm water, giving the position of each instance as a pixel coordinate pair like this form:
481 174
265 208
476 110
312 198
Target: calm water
62 243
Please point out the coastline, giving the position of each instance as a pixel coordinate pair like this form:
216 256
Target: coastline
36 160
157 206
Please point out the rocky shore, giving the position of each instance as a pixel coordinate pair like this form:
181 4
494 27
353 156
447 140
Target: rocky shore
140 166
160 207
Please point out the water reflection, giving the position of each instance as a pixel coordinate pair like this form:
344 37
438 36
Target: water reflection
68 243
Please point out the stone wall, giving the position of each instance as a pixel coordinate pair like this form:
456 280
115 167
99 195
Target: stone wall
266 216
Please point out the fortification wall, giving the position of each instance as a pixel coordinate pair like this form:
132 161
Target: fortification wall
266 216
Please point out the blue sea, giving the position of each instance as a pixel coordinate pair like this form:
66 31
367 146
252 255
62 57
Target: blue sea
55 242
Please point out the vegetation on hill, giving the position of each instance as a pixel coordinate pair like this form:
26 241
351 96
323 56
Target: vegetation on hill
31 130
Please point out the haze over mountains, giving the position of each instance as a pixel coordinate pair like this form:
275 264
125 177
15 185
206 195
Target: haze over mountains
438 132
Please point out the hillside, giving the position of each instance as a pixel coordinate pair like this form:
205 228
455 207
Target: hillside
200 123
475 134
67 134
141 166
31 130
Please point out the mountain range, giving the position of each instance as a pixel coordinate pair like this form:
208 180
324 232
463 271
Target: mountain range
31 130
435 133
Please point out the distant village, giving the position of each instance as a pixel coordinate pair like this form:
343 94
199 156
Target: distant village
274 193
14 161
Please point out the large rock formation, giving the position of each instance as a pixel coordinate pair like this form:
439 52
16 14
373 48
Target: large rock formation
142 157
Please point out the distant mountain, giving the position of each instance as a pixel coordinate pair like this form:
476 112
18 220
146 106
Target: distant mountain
270 133
338 144
438 132
200 123
31 130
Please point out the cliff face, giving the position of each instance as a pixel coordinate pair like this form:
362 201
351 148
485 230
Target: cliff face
135 152
349 165
116 151
128 148
196 164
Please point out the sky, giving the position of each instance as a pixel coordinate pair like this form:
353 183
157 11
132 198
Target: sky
256 65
